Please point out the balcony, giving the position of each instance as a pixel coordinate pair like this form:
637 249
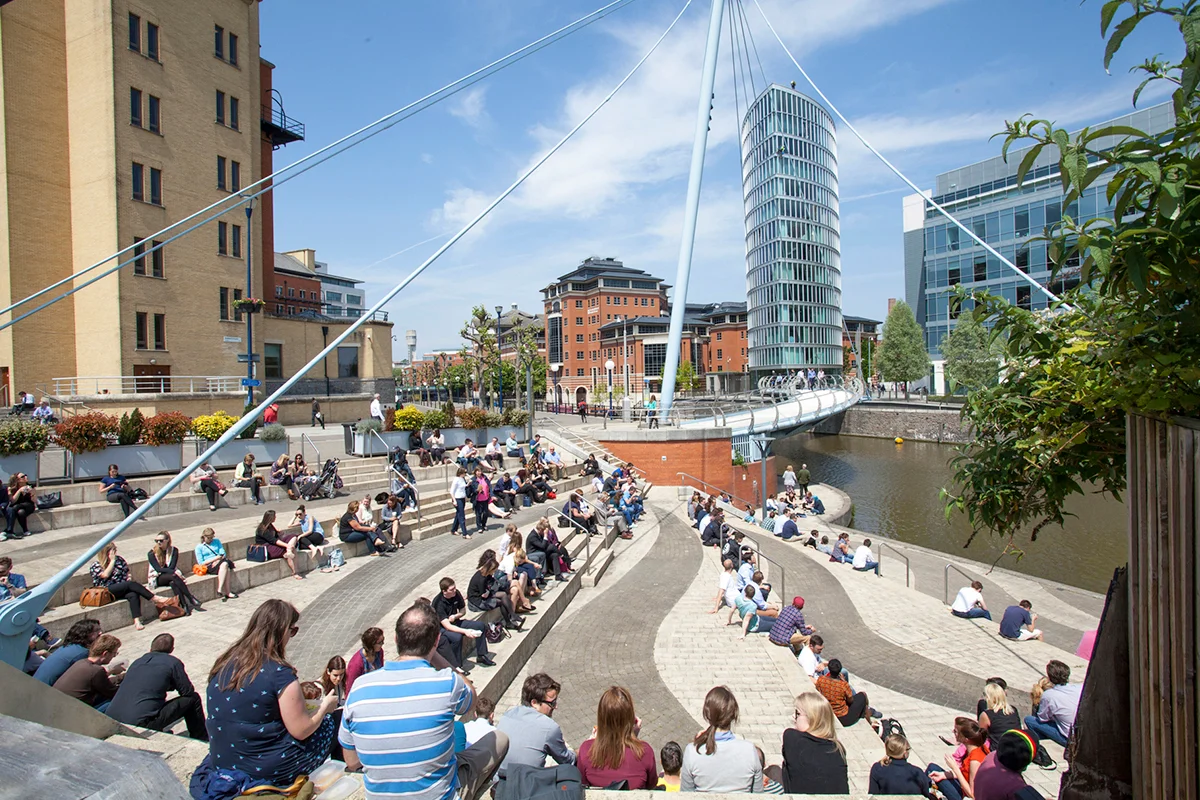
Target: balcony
280 128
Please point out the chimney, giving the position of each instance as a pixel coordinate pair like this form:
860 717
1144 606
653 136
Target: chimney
514 306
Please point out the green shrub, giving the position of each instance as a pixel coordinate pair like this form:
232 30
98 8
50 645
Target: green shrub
23 436
369 425
248 433
167 427
450 413
212 426
472 417
410 418
436 419
515 417
86 433
274 433
129 429
493 419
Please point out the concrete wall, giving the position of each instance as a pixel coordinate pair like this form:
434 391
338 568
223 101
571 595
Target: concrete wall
888 422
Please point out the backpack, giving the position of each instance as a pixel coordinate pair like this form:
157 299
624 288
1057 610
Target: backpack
522 782
889 727
495 633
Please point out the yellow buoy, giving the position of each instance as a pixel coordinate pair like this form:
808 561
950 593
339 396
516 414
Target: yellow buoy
899 440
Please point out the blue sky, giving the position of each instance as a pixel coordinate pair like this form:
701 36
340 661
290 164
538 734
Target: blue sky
926 81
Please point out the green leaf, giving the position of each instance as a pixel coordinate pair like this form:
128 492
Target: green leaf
1123 29
1027 161
1106 14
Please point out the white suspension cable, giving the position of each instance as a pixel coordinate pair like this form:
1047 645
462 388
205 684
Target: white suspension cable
753 44
17 617
1025 276
327 152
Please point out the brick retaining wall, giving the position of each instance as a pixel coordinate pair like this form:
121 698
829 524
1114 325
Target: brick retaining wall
888 422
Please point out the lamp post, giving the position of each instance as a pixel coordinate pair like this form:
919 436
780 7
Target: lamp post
608 365
554 372
499 358
763 443
250 293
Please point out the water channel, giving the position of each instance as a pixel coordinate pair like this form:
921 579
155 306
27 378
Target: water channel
895 491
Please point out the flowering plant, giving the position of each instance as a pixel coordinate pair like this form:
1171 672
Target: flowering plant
249 304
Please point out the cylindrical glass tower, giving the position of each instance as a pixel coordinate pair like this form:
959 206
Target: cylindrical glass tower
793 260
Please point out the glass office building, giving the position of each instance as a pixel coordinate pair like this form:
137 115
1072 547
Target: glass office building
985 198
793 259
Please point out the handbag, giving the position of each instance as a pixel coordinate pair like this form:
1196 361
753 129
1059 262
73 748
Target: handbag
139 494
170 610
337 559
49 500
257 553
495 633
551 495
301 789
95 597
199 569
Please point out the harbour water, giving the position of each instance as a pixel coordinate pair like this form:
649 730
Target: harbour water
896 495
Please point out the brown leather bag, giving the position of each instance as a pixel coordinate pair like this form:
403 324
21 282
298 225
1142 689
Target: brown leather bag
170 609
95 597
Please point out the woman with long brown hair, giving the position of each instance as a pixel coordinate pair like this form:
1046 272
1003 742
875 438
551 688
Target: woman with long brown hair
279 545
814 761
163 569
716 760
257 720
333 679
111 571
615 753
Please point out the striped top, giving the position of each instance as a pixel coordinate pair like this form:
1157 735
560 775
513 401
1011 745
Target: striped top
400 722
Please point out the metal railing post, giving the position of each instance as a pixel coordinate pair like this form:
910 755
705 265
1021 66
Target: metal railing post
882 546
946 581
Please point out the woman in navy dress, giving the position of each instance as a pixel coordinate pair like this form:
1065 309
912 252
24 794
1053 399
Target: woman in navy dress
257 720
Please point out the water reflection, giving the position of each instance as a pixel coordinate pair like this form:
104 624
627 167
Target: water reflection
895 491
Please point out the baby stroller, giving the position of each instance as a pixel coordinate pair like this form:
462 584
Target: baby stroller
324 485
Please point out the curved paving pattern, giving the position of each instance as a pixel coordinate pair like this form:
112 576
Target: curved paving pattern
610 641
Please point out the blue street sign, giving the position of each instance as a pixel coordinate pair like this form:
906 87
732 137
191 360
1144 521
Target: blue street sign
251 382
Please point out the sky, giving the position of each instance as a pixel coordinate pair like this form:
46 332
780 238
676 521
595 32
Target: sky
927 82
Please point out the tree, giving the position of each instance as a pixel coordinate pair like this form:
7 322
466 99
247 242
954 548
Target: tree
480 352
685 377
971 359
1127 339
902 355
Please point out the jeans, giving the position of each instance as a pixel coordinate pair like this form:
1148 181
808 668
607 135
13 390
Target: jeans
481 515
124 498
764 624
18 513
252 485
873 566
1045 730
460 515
949 788
458 641
353 536
974 613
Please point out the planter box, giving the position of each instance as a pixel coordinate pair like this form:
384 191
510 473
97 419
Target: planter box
131 460
232 454
22 462
366 444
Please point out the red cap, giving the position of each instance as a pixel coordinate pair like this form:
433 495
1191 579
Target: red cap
798 602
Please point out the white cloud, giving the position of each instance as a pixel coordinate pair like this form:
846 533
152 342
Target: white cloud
471 107
426 158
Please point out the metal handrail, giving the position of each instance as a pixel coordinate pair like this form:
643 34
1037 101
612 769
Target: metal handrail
907 566
386 447
392 468
304 437
946 580
711 486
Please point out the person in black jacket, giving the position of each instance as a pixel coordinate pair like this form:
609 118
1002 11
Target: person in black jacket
164 570
538 548
711 535
142 697
484 595
894 775
814 761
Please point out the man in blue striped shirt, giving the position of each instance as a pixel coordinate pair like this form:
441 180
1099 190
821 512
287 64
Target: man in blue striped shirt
398 723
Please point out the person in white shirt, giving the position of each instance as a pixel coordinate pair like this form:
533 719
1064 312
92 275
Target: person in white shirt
969 603
726 587
493 454
864 559
376 409
810 659
458 491
789 479
597 484
484 721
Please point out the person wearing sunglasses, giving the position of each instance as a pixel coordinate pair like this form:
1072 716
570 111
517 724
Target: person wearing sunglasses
257 720
532 732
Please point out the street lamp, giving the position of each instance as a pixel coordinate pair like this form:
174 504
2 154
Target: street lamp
554 373
608 365
499 358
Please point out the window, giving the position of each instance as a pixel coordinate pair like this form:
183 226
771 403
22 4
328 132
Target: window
579 320
156 259
223 238
155 186
237 312
980 269
278 308
333 297
138 181
579 355
219 42
152 41
279 291
140 330
291 310
221 173
579 304
954 277
135 107
233 48
220 107
160 331
1022 261
718 336
273 360
235 240
233 113
139 256
719 356
223 313
291 292
624 301
347 358
235 176
154 116
135 33
303 294
579 337
579 372
1023 297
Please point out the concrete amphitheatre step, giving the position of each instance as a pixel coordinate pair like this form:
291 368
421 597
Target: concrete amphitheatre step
437 515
